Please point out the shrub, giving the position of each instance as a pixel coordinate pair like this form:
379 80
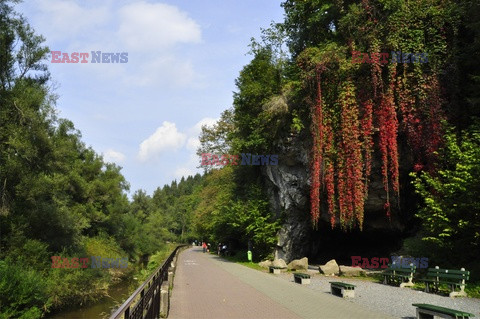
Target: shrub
23 293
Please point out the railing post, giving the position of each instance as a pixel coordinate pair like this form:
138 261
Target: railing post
142 300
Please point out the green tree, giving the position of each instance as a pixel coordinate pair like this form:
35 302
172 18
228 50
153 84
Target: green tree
258 82
450 213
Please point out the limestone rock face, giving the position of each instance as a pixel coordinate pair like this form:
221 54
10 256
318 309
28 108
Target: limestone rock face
288 189
288 192
299 264
351 271
265 263
330 268
279 263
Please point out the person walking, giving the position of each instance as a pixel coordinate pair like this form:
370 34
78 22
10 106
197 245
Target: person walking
204 246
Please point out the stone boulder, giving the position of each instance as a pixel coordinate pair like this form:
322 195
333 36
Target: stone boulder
265 263
279 263
330 268
352 271
299 264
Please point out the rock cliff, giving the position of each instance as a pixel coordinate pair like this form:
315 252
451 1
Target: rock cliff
288 187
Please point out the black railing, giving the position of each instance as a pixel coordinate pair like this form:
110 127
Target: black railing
144 303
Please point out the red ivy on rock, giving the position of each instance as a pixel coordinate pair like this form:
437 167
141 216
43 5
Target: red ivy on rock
343 142
317 132
344 123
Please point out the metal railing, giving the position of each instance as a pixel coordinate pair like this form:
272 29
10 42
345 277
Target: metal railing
144 303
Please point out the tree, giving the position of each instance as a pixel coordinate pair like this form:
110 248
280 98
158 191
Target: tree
258 82
450 212
216 139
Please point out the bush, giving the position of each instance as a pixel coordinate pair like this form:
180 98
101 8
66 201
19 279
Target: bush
69 287
31 254
451 211
23 293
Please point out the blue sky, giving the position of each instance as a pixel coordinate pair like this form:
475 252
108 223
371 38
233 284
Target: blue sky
183 58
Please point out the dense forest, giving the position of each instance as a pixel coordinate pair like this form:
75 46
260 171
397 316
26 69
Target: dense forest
416 123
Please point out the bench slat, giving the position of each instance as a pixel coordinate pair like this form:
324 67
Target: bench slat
401 270
443 310
301 275
449 276
342 284
395 273
448 271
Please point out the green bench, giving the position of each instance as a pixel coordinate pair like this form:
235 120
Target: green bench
301 278
450 277
274 270
342 289
426 311
397 274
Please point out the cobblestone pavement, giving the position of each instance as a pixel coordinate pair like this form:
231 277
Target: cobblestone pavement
206 286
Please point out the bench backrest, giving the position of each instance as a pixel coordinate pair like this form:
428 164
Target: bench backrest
448 273
399 268
443 310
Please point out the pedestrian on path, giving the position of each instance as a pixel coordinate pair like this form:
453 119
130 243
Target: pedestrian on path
204 246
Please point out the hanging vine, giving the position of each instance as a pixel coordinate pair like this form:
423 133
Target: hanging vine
388 127
317 134
361 109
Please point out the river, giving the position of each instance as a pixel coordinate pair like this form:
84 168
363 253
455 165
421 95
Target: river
104 307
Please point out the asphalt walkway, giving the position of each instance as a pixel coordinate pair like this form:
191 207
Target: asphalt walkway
206 286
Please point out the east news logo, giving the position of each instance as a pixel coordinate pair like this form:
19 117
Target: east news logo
381 57
97 262
82 57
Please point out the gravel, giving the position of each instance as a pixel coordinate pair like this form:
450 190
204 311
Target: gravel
388 299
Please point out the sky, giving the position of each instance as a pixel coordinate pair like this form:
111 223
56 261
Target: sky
145 115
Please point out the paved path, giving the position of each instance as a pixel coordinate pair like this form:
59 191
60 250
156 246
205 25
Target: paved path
206 286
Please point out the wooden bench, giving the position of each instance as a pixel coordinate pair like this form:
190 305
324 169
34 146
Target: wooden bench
426 311
342 289
274 270
301 278
451 277
395 273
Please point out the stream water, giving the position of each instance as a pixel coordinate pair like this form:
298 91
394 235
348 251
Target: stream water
102 308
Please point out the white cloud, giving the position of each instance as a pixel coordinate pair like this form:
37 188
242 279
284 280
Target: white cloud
60 20
111 155
163 70
165 138
193 142
152 26
149 32
205 121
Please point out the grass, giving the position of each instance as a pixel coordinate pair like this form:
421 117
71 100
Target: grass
473 290
251 265
241 259
154 262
